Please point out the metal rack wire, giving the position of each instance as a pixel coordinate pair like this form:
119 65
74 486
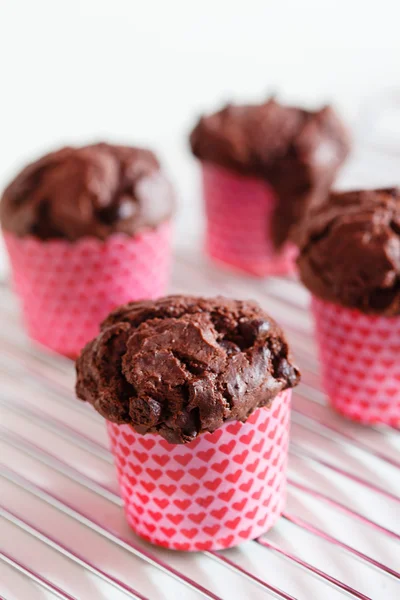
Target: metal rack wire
62 532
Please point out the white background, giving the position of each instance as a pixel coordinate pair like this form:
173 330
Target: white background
142 71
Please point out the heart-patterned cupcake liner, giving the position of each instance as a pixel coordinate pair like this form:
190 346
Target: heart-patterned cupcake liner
239 212
218 491
68 288
360 362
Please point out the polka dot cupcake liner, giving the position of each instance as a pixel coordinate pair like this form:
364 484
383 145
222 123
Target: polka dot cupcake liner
218 491
67 288
360 362
239 213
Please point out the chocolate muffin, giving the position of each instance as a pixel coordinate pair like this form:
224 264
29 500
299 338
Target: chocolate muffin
298 152
181 365
86 230
350 261
350 251
92 191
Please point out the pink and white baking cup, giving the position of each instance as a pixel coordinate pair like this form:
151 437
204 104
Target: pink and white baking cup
239 213
67 288
216 492
360 362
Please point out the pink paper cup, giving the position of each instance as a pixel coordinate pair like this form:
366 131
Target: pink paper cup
66 289
360 362
216 492
239 214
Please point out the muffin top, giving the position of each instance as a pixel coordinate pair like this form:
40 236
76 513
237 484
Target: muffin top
182 365
94 191
350 251
297 151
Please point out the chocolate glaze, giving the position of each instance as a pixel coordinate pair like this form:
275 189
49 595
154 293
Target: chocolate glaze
350 251
182 365
90 191
298 152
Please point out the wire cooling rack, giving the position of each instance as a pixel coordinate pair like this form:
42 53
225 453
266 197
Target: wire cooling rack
62 529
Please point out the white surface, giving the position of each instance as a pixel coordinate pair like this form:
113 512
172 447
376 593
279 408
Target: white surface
59 446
